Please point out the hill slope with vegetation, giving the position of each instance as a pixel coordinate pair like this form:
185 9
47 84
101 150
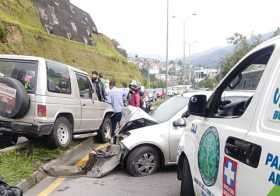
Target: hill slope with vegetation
21 32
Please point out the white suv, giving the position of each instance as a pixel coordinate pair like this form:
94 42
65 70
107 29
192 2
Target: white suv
231 147
40 97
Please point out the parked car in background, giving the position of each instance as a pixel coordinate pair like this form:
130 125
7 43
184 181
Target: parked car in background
51 99
151 94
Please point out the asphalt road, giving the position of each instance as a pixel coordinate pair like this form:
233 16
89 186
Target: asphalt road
118 183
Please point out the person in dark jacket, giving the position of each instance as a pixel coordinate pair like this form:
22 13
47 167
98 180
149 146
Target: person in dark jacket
98 85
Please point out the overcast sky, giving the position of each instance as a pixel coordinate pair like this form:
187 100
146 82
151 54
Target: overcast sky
140 25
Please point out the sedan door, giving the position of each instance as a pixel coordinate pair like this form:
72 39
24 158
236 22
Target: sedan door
175 133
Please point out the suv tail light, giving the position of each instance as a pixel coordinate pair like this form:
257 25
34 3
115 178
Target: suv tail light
42 110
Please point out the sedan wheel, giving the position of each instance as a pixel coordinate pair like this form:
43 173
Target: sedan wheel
143 161
146 164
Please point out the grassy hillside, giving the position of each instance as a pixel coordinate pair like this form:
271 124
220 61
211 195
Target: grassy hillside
23 33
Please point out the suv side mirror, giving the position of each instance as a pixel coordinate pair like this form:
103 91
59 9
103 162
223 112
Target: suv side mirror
197 105
180 123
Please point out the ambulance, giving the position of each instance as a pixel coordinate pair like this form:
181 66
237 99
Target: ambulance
232 146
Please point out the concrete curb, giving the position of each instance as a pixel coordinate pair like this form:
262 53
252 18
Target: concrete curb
69 157
14 148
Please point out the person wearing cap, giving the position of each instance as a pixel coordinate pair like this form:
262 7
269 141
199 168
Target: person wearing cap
134 97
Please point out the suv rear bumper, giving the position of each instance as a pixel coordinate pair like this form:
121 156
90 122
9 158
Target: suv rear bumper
26 129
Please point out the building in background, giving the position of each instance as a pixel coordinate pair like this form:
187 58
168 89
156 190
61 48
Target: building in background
201 73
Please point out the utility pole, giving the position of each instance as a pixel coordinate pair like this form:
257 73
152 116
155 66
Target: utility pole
167 44
189 45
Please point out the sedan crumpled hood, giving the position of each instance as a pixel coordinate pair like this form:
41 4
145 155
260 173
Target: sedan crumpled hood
132 114
138 113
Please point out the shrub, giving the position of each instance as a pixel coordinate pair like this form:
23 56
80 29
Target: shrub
3 32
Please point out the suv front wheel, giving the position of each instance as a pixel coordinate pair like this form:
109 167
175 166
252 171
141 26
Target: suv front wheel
62 133
105 131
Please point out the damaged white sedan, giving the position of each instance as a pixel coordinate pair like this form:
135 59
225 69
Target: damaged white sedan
150 141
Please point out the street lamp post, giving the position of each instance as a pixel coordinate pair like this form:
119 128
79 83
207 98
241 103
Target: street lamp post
167 44
184 41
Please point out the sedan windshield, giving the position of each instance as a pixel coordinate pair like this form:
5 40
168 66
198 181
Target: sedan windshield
23 71
169 108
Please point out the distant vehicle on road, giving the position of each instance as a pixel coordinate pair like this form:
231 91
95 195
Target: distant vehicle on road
51 99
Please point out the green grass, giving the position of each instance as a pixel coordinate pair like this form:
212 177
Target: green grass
102 57
18 165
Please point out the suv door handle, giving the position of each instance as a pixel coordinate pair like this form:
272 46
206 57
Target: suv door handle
84 105
244 151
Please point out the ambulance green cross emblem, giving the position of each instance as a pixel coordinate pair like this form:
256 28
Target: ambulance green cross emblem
209 156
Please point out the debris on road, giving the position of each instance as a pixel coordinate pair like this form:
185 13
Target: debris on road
6 190
100 163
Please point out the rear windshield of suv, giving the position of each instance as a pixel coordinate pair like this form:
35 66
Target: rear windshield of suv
23 71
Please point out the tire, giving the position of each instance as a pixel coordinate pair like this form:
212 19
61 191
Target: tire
62 133
7 140
105 131
143 161
22 99
186 182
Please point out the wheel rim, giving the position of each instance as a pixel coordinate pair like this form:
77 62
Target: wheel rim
63 134
107 132
146 164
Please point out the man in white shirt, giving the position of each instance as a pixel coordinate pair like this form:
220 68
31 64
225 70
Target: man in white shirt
115 98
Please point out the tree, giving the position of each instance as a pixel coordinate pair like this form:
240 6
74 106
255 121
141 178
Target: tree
208 83
276 32
241 47
180 62
171 62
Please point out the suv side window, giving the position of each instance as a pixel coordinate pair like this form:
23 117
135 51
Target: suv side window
84 86
58 78
246 76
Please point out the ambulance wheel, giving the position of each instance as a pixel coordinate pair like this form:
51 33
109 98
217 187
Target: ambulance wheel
186 182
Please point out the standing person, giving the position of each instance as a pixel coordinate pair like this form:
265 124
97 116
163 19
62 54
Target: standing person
115 98
97 85
102 86
134 97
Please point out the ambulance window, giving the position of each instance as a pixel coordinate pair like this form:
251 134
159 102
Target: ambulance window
242 82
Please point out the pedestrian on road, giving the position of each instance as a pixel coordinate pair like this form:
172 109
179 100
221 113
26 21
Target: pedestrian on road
134 97
98 85
115 98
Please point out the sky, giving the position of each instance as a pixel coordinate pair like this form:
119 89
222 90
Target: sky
140 25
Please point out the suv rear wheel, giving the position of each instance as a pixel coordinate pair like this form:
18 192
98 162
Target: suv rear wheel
7 139
62 133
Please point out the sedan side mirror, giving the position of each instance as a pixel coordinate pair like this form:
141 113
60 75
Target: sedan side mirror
180 123
197 105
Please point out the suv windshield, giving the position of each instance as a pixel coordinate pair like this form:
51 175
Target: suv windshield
23 71
169 108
